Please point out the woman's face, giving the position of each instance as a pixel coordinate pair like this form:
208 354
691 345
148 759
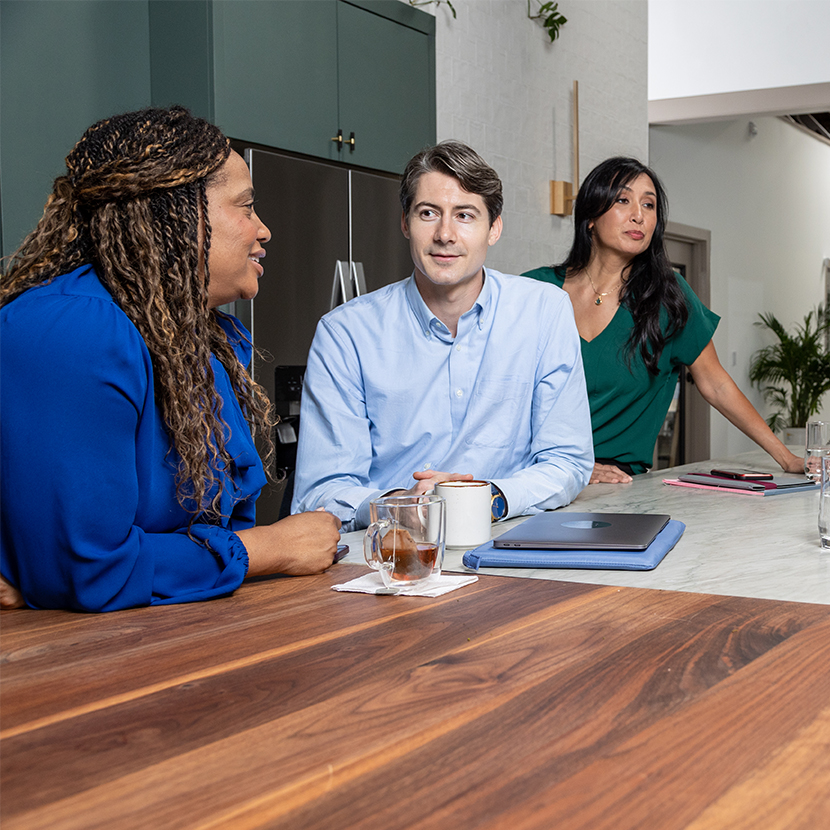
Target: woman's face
627 226
237 234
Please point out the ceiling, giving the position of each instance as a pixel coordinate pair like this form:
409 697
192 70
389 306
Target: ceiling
723 106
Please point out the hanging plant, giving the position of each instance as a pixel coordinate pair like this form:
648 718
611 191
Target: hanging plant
550 18
433 3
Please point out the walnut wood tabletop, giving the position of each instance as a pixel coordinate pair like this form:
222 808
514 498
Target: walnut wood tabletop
510 703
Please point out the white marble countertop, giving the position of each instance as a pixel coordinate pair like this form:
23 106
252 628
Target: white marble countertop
747 546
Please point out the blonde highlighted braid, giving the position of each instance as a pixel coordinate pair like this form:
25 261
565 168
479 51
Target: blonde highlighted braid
132 204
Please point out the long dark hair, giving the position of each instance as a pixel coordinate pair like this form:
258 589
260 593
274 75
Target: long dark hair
649 284
132 204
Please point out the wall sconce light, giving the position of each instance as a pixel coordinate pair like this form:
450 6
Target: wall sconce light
563 194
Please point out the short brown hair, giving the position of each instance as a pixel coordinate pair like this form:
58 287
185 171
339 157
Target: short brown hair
461 162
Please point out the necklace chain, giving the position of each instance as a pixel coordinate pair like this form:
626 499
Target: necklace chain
598 300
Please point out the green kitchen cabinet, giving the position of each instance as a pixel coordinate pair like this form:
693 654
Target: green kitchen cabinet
63 66
343 80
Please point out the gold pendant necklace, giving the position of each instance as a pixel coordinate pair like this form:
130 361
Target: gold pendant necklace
598 300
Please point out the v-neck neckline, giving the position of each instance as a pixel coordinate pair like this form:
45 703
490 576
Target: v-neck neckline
607 326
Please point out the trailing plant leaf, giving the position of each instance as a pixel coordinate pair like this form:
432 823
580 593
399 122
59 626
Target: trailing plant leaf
433 3
794 373
550 17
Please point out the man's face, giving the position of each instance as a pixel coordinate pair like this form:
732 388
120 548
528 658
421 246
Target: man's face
449 232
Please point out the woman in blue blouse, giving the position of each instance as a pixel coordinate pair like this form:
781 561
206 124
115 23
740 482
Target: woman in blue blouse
129 471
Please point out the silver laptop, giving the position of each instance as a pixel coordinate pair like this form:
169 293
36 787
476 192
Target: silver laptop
554 530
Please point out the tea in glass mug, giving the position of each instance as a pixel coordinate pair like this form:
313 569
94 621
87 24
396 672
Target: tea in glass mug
405 540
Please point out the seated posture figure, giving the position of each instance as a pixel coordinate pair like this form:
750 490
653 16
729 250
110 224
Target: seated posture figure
639 322
457 367
129 472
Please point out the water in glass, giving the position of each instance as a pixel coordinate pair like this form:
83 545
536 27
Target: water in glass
824 503
818 445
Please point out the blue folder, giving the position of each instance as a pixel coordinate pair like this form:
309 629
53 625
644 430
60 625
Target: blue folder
486 556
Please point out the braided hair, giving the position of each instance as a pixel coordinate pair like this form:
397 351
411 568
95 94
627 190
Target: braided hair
133 204
650 287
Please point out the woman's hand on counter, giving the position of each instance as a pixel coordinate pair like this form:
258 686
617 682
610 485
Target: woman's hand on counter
609 474
297 545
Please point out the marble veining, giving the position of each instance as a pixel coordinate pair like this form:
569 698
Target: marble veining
747 546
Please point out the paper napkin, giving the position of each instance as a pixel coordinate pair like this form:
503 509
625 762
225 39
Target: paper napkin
371 583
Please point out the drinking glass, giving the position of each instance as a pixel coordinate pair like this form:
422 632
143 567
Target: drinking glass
818 445
824 503
405 540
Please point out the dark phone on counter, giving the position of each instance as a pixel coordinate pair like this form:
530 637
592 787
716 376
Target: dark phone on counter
342 550
743 475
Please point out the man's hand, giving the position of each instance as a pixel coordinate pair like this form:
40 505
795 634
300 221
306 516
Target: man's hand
609 474
427 479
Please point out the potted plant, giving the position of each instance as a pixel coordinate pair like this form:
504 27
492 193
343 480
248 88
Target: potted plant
793 373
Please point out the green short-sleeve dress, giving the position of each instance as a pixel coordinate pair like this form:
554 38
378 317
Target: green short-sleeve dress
628 404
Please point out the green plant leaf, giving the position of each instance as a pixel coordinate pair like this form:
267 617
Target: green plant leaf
794 373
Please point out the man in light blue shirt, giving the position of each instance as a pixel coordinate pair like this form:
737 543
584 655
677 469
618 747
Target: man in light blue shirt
457 368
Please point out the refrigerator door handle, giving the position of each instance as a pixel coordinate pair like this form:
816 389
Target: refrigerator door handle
342 288
348 282
358 278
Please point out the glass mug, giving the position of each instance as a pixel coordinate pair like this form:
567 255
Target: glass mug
405 540
818 445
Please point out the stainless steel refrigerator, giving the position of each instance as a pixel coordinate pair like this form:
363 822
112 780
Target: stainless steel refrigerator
329 223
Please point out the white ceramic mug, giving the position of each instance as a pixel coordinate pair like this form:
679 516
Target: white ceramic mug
468 512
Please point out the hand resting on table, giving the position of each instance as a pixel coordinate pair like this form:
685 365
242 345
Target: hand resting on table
10 597
297 545
609 474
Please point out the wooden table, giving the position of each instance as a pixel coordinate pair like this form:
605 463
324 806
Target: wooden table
510 703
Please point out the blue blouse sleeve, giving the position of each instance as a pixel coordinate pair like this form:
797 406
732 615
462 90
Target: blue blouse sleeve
90 520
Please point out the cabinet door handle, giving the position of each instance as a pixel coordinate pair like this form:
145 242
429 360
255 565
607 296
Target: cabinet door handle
351 141
338 139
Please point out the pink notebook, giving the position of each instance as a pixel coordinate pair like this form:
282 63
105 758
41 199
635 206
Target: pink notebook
775 487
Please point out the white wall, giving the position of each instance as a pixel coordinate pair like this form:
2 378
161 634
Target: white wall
766 200
705 47
502 88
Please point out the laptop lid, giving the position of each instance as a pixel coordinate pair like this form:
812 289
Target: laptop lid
554 530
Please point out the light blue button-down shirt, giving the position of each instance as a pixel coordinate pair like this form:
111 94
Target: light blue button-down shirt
388 391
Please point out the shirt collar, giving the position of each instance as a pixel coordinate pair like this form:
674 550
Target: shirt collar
428 323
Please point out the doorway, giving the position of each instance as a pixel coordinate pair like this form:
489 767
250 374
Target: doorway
684 437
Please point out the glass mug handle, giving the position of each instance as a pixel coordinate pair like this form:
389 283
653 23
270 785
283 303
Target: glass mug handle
372 544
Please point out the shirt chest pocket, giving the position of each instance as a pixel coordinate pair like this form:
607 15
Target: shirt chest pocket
499 413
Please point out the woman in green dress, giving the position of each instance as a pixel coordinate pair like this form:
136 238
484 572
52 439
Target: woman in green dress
639 323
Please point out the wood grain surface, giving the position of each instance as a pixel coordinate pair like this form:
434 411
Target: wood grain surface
510 703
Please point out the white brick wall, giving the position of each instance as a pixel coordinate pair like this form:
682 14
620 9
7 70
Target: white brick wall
502 88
